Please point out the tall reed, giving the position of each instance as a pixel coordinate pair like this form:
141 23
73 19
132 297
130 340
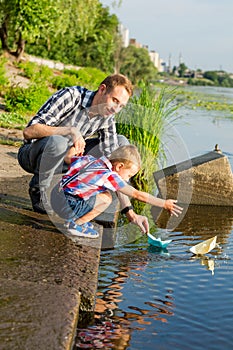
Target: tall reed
143 122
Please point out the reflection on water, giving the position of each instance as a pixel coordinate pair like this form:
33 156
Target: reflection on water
207 262
201 222
112 327
171 299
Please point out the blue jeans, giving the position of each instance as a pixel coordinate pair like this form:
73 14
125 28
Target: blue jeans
79 207
45 157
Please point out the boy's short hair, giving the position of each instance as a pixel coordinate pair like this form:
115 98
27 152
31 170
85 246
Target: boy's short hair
114 80
127 154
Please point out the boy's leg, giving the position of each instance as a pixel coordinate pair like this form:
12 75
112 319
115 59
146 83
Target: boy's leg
81 227
103 200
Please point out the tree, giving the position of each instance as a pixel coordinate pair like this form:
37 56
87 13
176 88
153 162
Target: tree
136 64
87 38
181 69
22 21
98 46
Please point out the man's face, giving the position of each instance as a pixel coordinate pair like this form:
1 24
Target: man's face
111 102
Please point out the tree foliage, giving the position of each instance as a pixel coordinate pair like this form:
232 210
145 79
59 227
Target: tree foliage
22 21
73 31
219 78
136 64
76 32
181 69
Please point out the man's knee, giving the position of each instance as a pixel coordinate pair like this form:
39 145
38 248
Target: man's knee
57 145
122 140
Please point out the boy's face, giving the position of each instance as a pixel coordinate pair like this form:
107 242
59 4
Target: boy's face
125 172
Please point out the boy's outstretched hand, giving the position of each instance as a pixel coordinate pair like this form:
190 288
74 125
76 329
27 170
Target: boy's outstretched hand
173 208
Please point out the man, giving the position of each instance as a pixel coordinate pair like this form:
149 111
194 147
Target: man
69 118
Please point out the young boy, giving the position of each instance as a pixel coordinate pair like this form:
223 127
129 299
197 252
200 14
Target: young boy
88 183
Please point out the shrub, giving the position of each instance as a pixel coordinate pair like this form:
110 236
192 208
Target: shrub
89 77
13 120
64 80
26 100
36 72
3 78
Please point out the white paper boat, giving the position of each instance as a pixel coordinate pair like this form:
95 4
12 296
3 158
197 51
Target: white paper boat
204 247
157 242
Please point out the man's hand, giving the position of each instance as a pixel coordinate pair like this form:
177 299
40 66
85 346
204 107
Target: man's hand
78 141
139 220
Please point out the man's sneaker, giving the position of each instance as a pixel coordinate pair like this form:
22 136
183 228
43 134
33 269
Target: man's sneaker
40 203
84 230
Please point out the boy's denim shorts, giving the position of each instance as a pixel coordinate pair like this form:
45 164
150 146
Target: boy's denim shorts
68 206
79 206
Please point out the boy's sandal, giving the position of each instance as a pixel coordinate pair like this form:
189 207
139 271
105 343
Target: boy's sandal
88 225
89 233
68 223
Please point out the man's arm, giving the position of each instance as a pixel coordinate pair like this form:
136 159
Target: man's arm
126 207
52 113
37 131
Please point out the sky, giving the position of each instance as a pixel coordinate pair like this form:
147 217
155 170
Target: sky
199 31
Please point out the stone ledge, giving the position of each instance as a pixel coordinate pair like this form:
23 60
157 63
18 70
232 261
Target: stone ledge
203 180
59 277
46 280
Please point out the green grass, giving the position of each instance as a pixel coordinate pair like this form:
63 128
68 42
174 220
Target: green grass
7 142
13 121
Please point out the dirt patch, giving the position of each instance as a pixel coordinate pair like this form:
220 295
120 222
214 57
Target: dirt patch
15 76
14 135
10 167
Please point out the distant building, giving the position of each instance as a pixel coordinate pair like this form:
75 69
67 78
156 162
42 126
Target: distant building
154 56
145 47
124 32
157 61
133 42
163 66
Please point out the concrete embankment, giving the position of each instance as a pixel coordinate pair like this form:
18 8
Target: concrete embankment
203 180
46 280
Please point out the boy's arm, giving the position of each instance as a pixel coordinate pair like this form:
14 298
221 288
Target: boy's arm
124 200
168 204
69 154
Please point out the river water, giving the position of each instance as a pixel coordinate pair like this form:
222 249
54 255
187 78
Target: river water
170 299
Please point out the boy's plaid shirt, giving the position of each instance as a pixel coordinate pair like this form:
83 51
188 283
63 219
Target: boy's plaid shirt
93 176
